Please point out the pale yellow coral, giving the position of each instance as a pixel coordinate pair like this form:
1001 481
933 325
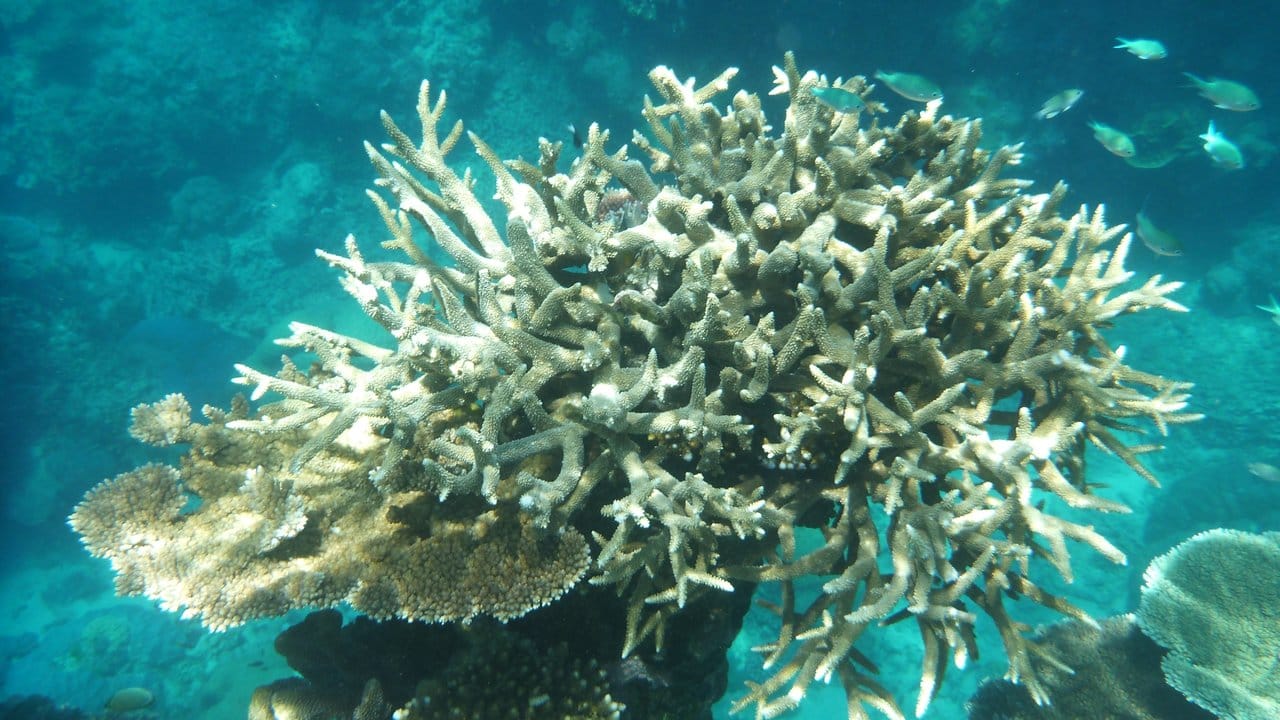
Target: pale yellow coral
497 567
261 542
162 423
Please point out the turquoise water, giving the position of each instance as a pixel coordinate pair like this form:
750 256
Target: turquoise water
167 170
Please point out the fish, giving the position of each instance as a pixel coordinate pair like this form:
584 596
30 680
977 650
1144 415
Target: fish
1144 48
1222 151
911 87
1060 103
129 699
1264 471
839 99
1273 308
1225 94
1159 241
1113 140
576 134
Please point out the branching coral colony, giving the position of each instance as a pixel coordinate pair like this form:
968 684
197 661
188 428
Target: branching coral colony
865 331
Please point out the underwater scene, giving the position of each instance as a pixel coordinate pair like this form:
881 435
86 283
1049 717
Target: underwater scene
639 360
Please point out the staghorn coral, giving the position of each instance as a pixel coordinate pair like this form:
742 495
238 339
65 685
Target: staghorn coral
863 330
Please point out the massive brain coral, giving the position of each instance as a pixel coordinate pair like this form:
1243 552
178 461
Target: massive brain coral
655 377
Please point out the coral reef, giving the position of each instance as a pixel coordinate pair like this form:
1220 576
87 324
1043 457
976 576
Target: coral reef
1211 601
850 326
37 707
339 661
1202 644
524 683
293 698
1091 670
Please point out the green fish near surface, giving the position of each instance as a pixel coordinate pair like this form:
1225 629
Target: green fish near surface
909 86
1113 140
1222 151
839 99
1225 94
1160 242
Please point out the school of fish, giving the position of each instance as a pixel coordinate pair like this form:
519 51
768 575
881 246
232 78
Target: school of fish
1221 151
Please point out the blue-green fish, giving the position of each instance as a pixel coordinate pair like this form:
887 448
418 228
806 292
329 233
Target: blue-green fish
911 87
1225 94
1273 308
1113 140
839 99
1264 471
1158 241
1143 48
1060 103
1222 151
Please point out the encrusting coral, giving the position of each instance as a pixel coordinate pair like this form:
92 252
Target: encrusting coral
852 327
521 682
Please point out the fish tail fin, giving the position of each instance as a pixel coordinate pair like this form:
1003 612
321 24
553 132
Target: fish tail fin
1124 43
1196 81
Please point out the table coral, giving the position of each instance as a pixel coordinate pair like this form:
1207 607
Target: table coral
856 327
1211 601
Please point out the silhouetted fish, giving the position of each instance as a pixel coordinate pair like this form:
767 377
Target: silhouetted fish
130 699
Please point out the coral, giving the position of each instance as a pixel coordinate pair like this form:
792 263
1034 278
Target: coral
414 661
523 682
38 707
163 423
1091 670
864 330
260 543
519 680
296 699
1211 601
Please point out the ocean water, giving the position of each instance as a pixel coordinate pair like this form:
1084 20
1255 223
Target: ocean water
168 169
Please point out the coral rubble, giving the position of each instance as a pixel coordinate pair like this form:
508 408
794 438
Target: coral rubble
847 326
